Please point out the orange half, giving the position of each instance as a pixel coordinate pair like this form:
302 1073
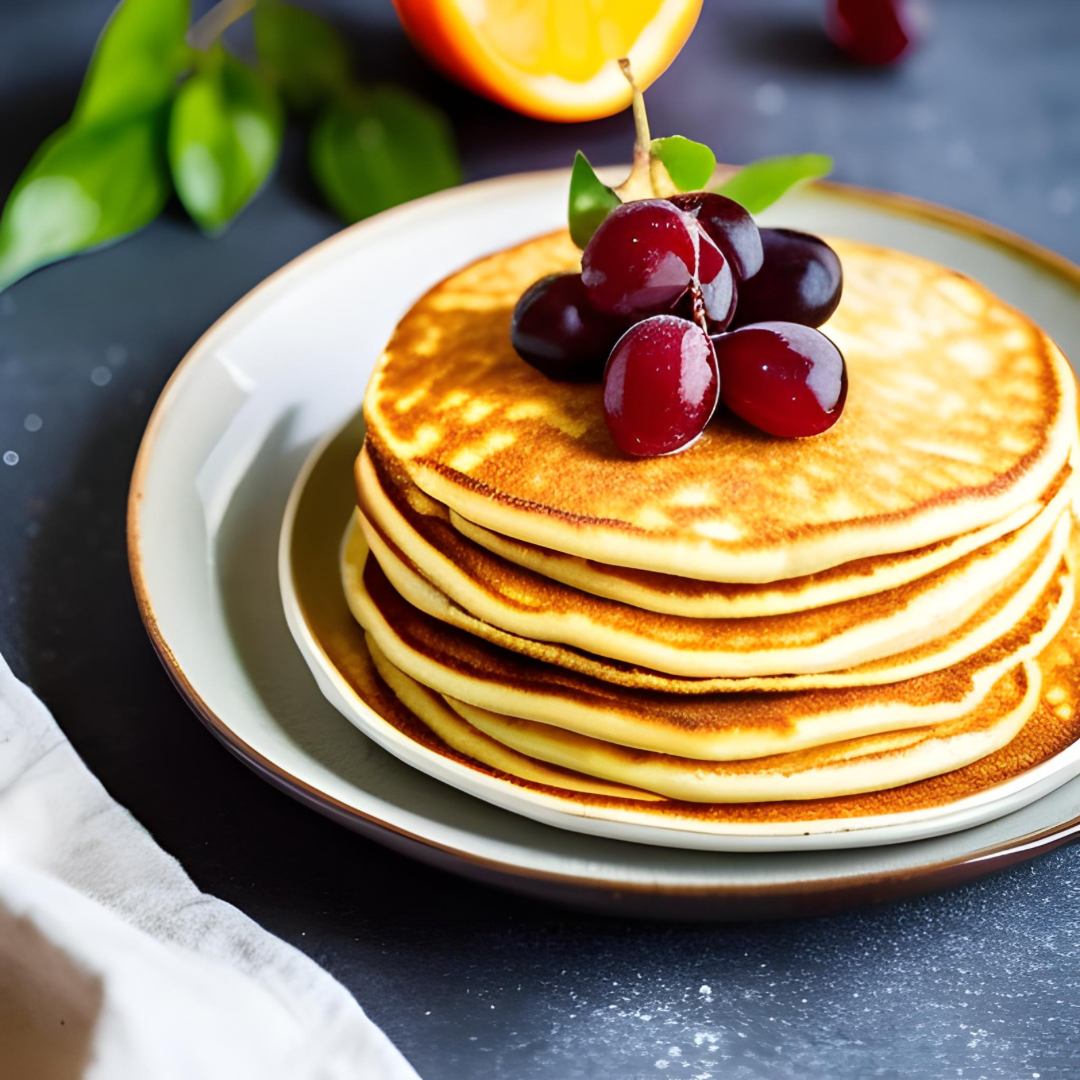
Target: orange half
552 59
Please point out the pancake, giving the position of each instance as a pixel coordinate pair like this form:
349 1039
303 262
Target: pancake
467 739
1053 727
710 726
849 767
960 413
527 604
672 595
995 618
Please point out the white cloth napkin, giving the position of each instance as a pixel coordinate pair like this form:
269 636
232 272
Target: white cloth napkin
114 966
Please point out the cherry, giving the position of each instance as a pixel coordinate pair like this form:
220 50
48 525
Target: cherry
730 227
871 31
800 281
647 255
555 329
784 378
640 261
714 284
660 386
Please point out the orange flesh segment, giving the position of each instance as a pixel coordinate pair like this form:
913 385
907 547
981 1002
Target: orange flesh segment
568 38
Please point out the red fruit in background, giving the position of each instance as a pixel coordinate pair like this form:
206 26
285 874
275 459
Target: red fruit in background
784 378
660 386
873 31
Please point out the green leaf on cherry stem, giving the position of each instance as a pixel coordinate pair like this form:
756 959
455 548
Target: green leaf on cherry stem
302 55
137 60
86 185
379 148
224 139
689 164
759 184
590 201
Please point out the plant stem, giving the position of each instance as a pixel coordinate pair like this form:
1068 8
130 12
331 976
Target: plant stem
638 185
216 21
648 178
641 118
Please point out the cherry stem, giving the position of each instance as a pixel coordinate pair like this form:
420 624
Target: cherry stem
639 184
648 178
641 118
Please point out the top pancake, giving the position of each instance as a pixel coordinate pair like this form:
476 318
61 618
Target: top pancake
959 412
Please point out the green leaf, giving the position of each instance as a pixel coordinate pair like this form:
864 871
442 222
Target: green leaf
590 201
761 183
136 63
302 55
381 149
84 187
689 164
224 139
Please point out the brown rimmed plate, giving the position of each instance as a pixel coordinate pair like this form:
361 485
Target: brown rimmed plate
288 364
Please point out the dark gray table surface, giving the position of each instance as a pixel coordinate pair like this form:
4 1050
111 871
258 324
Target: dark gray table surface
981 982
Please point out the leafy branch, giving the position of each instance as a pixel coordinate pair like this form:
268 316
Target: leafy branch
665 167
689 166
164 108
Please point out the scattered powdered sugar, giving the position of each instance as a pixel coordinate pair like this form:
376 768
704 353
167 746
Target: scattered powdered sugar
980 982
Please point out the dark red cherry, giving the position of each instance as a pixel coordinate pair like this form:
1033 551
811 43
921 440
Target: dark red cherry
800 281
715 284
660 386
731 228
641 260
719 303
872 31
783 378
556 329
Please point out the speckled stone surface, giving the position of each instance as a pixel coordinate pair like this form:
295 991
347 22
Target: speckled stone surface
983 982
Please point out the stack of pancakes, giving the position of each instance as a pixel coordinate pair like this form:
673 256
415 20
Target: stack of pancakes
880 618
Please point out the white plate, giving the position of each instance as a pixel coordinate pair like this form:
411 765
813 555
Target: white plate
288 364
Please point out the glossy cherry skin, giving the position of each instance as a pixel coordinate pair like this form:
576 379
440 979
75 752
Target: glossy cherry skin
783 378
714 284
872 31
557 331
660 386
800 281
729 226
640 261
648 255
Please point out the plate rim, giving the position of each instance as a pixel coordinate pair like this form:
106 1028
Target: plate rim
998 854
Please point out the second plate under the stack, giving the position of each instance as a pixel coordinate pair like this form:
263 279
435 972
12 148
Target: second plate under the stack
876 620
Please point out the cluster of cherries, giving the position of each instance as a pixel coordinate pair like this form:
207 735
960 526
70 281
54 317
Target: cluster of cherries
682 303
